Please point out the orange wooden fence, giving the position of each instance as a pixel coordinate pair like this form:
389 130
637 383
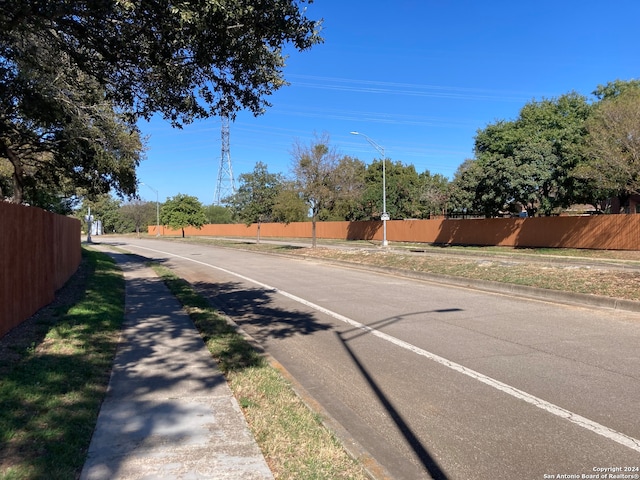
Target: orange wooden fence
39 251
603 232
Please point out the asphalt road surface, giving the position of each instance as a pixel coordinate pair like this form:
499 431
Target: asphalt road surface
436 381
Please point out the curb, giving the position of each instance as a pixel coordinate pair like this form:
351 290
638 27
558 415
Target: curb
489 286
533 293
350 444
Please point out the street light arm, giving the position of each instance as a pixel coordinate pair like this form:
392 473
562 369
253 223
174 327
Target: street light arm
146 185
373 144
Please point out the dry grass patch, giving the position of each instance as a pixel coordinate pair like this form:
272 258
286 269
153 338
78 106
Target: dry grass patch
292 437
605 280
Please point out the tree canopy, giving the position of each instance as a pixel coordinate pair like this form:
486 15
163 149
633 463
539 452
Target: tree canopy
137 215
185 60
75 77
613 145
256 196
218 214
314 167
528 161
58 134
289 205
556 153
182 211
350 184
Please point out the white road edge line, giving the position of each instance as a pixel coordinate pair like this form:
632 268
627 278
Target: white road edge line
579 420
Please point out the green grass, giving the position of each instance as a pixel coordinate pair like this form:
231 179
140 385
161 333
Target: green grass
292 438
53 382
229 348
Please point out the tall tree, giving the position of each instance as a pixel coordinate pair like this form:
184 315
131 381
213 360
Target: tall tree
494 190
489 179
314 170
555 131
182 211
256 196
217 214
138 215
403 191
289 205
462 191
615 88
434 194
533 169
349 179
613 145
529 161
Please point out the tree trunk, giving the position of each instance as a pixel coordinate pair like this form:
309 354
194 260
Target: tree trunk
18 172
258 239
183 233
313 232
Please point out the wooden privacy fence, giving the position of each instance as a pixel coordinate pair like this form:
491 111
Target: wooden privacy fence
39 251
603 232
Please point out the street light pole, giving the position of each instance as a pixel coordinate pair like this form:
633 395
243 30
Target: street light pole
89 224
385 215
157 209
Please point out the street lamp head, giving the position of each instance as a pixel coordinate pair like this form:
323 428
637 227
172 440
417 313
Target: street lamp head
354 133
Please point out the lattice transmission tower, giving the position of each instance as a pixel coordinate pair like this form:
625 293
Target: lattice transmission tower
225 186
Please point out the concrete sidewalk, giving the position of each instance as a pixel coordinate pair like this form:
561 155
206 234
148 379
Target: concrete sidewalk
168 412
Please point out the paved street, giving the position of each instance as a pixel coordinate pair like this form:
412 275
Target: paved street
436 381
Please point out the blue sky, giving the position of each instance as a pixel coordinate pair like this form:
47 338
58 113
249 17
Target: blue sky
419 77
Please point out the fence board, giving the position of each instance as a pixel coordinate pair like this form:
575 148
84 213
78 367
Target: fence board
39 251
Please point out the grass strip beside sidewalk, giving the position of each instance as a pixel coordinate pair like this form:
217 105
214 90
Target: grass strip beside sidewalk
292 438
54 370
